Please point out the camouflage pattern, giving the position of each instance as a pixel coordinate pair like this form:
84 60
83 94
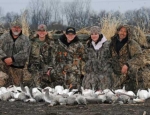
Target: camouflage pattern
68 63
15 75
1 30
95 29
97 68
16 22
27 78
40 60
19 51
129 54
3 78
42 27
145 69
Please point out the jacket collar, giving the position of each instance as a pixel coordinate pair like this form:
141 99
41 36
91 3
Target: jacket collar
63 39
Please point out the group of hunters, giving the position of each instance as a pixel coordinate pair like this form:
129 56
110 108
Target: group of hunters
98 64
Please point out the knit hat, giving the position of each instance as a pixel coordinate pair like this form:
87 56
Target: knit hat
42 27
16 22
70 30
95 29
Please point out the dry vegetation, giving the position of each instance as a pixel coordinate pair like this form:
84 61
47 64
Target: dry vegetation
109 26
139 36
84 31
25 25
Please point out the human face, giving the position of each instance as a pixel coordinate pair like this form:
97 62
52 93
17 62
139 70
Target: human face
16 30
94 37
122 33
70 37
42 33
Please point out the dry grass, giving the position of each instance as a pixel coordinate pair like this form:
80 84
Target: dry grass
139 36
84 31
25 25
109 25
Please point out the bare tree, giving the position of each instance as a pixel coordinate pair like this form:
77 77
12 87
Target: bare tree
77 13
56 6
94 19
9 17
139 18
40 12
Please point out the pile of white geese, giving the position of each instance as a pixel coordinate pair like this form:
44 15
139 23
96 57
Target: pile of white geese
61 96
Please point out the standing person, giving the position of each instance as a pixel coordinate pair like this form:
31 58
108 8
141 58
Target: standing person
126 58
14 52
97 67
68 60
40 57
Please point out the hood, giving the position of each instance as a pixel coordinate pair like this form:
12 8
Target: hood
98 45
133 33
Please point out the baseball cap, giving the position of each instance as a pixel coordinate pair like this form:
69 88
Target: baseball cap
70 30
42 27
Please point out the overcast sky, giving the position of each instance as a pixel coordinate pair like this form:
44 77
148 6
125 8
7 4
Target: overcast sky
96 5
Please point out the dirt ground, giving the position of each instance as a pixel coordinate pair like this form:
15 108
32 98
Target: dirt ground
41 108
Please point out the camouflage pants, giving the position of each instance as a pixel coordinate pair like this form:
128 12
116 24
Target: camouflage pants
96 81
27 79
40 80
145 76
132 81
66 79
15 75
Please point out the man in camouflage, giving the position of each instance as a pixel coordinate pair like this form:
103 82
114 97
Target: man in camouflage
40 57
14 52
68 59
126 59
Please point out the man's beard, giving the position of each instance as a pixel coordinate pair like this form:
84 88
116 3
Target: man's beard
16 33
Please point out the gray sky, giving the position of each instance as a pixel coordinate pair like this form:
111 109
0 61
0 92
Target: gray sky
96 5
121 5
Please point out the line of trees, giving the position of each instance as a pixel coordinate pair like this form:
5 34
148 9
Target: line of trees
77 13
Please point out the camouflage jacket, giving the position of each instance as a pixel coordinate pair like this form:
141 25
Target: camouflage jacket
98 58
129 54
97 67
68 58
18 49
40 55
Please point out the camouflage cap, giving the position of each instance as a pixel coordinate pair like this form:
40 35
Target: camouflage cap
95 29
16 23
42 27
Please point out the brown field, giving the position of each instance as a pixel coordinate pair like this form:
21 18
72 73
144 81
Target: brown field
41 108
